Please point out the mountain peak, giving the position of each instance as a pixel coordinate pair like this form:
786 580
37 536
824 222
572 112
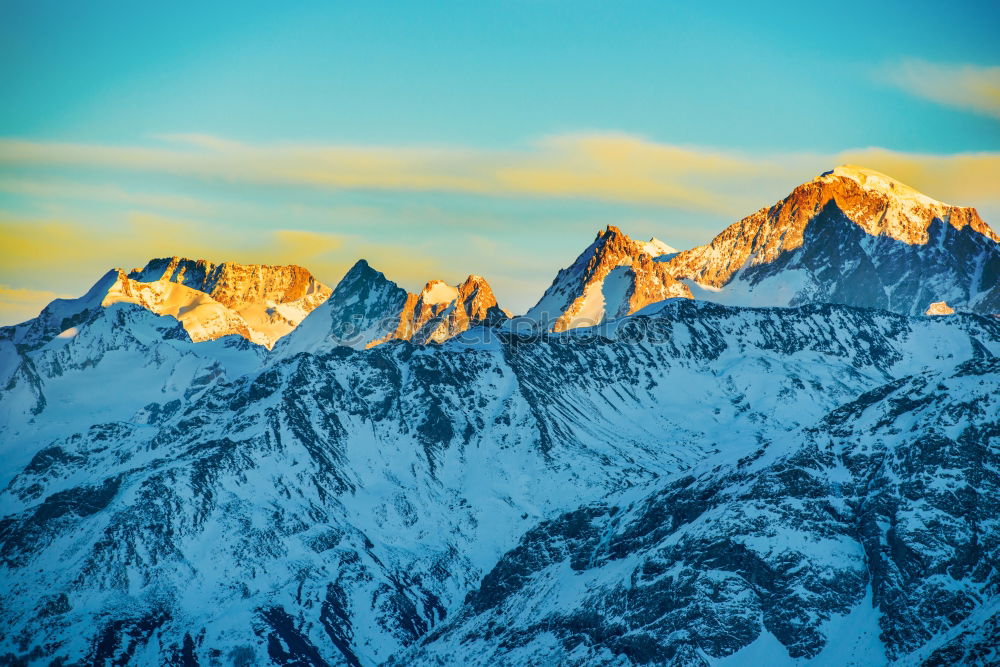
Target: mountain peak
875 181
473 283
363 273
368 309
850 235
232 283
615 276
884 206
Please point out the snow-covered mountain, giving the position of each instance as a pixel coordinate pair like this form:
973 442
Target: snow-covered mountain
685 483
513 502
367 309
615 276
852 236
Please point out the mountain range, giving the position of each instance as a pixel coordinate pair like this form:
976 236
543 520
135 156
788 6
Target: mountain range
781 446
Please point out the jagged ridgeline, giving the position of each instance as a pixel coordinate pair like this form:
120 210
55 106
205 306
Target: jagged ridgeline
220 464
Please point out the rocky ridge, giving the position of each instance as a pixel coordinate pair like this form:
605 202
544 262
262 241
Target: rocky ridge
367 309
441 311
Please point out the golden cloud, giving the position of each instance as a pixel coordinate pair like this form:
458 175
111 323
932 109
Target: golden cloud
610 167
605 166
19 304
970 87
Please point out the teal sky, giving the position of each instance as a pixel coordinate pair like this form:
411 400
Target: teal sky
445 138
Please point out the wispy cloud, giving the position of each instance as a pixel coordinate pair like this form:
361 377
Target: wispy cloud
104 192
609 167
18 304
970 87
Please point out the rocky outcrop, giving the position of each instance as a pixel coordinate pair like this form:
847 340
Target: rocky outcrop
441 311
939 308
614 277
236 285
269 300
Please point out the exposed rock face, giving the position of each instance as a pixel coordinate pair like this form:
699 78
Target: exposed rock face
235 285
264 302
615 276
939 308
441 311
368 309
851 236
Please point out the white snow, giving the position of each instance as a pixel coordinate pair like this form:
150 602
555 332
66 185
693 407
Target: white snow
872 180
655 247
591 310
439 292
777 290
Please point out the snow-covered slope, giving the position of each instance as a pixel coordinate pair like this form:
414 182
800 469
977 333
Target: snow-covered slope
367 309
615 276
868 537
339 506
654 247
202 317
59 316
852 236
105 368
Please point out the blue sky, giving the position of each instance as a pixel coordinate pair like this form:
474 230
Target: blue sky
443 138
